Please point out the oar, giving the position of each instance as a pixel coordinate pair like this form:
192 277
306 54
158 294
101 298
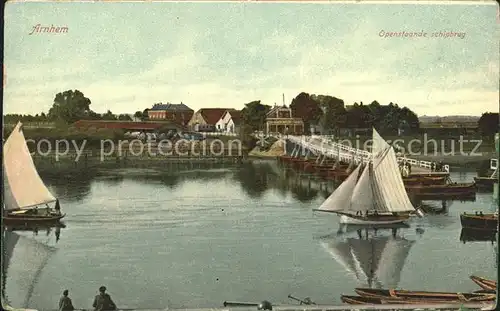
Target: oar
240 304
306 301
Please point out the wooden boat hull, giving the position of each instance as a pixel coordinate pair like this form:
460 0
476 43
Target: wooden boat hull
484 283
425 180
480 222
360 300
485 182
31 220
453 189
373 220
423 295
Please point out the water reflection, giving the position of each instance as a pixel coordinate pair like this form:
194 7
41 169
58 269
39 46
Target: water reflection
474 235
24 257
70 188
375 258
254 179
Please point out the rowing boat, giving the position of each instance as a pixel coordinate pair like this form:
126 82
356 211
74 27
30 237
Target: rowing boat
423 295
360 300
484 283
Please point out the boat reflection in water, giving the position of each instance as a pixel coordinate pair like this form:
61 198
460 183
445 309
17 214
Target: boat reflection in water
25 257
477 235
373 257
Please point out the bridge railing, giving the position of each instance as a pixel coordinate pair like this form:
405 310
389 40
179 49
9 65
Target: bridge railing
344 152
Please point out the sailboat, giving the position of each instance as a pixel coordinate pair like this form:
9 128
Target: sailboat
378 196
22 263
24 190
374 261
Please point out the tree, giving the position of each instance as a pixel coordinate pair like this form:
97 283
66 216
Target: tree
69 106
488 123
145 115
109 116
359 116
254 115
124 117
138 114
305 107
334 113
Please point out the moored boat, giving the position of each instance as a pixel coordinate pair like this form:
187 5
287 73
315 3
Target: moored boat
480 221
444 189
484 283
485 183
423 295
24 190
360 300
425 180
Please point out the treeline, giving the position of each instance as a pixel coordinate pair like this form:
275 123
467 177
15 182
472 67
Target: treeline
330 114
327 114
68 107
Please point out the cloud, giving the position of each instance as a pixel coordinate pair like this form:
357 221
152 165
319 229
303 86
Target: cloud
350 61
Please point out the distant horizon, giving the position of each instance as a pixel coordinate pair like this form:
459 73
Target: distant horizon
226 54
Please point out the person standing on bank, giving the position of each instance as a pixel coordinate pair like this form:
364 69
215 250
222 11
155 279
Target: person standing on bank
65 303
103 301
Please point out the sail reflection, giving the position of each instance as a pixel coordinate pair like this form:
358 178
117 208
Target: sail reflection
374 261
23 260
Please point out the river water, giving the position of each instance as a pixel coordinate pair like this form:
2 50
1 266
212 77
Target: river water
195 237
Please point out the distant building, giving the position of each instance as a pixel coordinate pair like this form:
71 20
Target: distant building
280 120
205 119
179 113
229 122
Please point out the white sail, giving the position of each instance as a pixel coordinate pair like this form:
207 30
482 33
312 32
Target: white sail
378 143
389 190
340 198
362 196
24 259
393 260
24 187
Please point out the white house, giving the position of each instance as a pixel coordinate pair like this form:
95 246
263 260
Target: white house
229 122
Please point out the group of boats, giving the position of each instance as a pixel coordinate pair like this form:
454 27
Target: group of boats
435 185
28 203
374 195
487 294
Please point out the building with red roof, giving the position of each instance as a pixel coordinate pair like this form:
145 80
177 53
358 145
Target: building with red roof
179 113
205 119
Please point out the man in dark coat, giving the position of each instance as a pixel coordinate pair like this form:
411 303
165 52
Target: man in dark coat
65 303
103 302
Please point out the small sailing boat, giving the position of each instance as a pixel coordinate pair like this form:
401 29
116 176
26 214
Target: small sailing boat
378 196
24 190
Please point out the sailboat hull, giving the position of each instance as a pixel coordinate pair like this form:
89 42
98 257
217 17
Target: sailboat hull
373 220
31 220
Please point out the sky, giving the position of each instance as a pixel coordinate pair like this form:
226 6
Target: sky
127 56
